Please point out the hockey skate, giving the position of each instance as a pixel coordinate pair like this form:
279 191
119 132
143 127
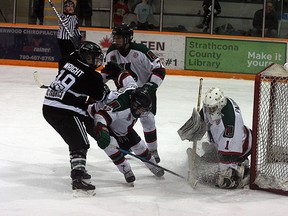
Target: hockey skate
156 156
157 171
82 188
81 185
87 177
129 177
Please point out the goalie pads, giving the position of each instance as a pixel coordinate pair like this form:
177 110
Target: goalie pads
234 178
228 179
194 128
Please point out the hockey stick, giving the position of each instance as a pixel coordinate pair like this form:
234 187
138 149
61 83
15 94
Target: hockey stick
192 152
76 45
147 161
38 81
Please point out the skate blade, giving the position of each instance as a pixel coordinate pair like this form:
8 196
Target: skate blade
88 181
83 193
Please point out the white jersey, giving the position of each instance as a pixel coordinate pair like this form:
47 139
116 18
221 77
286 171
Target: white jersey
142 64
232 138
118 126
117 114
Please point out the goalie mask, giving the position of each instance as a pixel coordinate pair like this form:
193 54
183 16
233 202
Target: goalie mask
124 32
141 103
91 54
213 102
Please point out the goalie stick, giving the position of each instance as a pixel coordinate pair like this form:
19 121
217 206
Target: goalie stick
193 157
38 80
192 169
183 132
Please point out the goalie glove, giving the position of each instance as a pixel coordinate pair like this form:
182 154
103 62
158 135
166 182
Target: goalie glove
102 135
194 129
113 70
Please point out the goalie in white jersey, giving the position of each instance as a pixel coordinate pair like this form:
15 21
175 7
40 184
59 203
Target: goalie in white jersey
230 140
146 69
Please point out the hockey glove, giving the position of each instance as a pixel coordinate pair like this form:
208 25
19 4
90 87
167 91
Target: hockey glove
103 136
113 70
150 87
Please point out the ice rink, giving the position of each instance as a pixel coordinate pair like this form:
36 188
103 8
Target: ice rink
35 168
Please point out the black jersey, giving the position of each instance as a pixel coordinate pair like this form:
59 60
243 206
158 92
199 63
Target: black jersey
73 84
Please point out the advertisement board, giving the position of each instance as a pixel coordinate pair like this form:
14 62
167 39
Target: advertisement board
176 51
29 44
235 56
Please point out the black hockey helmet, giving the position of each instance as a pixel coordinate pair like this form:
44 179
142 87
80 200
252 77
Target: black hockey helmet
141 102
125 31
91 54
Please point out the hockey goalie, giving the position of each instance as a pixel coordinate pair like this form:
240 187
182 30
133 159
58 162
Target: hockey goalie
229 140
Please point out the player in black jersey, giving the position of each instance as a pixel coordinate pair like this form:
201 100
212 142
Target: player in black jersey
64 106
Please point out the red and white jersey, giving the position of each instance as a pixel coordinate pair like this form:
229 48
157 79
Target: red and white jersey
124 80
232 138
117 114
140 62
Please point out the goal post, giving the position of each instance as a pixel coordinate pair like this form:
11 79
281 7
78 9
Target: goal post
269 158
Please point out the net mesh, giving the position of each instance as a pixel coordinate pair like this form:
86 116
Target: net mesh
271 159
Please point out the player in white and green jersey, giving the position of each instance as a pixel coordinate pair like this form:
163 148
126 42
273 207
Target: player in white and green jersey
146 69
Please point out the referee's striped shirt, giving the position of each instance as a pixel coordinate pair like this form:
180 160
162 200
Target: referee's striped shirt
71 21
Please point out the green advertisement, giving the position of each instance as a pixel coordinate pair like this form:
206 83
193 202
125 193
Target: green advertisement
235 56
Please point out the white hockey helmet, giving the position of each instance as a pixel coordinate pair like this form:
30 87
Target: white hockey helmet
214 101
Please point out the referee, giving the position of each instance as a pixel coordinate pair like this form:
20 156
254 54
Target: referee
66 43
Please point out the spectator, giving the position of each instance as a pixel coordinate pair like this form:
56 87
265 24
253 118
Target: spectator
84 12
136 2
271 21
143 12
207 4
37 12
120 9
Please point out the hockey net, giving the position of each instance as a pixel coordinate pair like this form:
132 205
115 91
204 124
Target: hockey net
269 159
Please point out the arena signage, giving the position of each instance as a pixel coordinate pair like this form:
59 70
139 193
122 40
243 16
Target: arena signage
235 56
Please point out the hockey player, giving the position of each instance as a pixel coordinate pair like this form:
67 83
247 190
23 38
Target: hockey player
147 70
222 119
65 106
114 126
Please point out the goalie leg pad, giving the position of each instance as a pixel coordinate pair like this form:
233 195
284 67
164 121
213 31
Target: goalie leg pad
228 179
